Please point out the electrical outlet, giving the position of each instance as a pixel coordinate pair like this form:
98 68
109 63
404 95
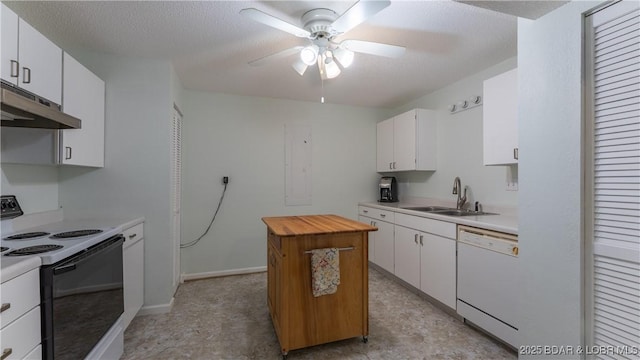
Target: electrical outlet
225 179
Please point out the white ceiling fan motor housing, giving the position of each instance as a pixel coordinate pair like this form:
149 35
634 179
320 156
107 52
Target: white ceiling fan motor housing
318 23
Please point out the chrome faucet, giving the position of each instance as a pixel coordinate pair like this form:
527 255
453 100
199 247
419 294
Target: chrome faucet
456 191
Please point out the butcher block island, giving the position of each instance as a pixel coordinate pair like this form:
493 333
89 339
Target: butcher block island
301 319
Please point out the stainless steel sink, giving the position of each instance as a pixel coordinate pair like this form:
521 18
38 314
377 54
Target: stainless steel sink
427 208
455 212
441 210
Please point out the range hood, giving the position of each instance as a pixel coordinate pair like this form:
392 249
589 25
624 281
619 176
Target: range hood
23 109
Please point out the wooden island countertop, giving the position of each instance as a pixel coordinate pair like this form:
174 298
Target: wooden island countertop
314 224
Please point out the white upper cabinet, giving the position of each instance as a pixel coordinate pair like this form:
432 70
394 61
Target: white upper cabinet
29 59
84 98
407 142
384 149
500 119
404 141
9 36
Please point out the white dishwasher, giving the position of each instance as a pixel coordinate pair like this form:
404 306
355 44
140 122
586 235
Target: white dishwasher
488 279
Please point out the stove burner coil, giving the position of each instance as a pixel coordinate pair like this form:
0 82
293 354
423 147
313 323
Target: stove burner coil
32 250
75 233
29 235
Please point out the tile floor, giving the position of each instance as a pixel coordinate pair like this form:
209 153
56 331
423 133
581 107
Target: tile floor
227 318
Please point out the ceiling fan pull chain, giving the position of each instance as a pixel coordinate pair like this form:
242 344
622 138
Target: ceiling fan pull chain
322 94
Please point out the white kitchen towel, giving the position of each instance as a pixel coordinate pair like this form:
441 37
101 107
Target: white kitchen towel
325 271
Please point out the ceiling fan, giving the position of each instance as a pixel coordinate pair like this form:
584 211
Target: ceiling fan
322 26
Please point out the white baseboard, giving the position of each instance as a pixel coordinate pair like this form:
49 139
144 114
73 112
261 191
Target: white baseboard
156 309
213 274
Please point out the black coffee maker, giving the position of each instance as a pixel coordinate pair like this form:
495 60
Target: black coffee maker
388 189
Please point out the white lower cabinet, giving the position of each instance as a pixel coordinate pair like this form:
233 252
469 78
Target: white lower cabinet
383 245
438 268
417 250
372 237
407 255
20 319
425 256
133 263
380 242
22 335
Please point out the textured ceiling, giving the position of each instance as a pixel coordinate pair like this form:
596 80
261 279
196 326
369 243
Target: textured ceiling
530 9
209 44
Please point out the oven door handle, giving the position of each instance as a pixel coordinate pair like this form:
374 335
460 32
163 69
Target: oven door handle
64 269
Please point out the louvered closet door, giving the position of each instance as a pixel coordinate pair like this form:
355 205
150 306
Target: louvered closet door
176 191
613 181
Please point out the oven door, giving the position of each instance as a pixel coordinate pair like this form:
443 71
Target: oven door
82 299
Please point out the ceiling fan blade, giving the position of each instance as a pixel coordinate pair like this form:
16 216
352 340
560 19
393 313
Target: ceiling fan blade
373 48
274 22
358 13
279 55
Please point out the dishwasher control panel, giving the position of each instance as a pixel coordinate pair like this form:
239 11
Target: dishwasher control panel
502 243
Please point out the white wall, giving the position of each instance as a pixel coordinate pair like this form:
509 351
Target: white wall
550 225
243 138
35 186
459 148
135 179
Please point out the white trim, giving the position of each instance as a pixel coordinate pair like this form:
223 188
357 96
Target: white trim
156 309
213 274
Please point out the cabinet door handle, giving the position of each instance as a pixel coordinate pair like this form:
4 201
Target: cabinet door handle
365 211
394 164
390 166
132 236
421 238
416 238
5 307
383 216
15 68
515 153
26 75
67 152
5 353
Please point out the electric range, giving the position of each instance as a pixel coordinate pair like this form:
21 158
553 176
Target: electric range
55 241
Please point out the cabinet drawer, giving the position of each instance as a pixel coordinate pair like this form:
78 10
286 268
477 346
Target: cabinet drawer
19 295
376 214
35 354
22 335
431 226
133 234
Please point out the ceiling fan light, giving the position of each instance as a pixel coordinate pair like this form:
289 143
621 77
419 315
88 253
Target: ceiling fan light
299 66
344 57
332 69
309 54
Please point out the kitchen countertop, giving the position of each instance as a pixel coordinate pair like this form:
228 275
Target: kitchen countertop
120 223
313 224
13 267
503 223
